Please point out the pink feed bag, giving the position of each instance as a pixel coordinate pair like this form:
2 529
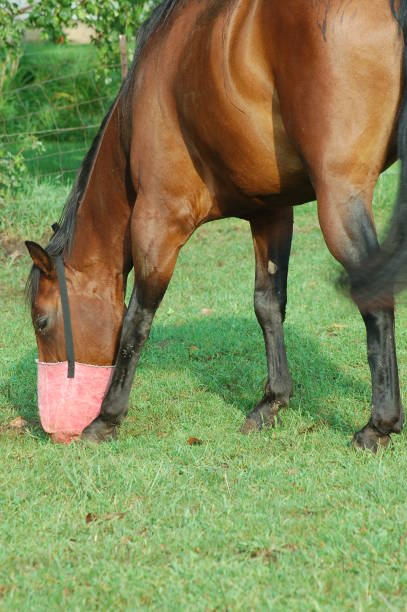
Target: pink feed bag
68 405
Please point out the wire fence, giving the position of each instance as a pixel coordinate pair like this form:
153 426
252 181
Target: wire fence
51 123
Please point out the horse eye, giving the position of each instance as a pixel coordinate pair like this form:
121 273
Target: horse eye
41 323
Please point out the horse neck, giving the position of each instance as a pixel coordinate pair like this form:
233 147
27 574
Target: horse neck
101 244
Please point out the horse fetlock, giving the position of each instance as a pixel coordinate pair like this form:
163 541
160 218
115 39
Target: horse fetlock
388 421
280 396
113 415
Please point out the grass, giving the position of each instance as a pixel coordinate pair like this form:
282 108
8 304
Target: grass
287 519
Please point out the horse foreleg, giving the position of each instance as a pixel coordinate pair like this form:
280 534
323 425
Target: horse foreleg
272 235
156 241
348 228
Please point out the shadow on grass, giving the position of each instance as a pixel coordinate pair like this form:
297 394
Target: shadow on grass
225 357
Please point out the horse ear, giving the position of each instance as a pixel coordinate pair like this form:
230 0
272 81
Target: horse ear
40 258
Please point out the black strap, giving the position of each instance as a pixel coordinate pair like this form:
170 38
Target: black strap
59 264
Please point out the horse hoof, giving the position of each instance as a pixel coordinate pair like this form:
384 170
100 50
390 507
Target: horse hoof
250 426
369 438
99 431
263 416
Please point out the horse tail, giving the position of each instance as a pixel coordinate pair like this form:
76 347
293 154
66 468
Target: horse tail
376 280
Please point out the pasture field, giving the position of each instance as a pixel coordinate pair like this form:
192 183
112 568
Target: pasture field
288 519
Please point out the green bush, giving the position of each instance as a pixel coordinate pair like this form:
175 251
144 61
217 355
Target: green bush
13 166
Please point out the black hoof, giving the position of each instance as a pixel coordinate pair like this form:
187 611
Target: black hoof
369 438
99 431
265 415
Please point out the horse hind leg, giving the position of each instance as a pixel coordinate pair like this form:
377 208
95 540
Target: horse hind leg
347 225
272 234
157 236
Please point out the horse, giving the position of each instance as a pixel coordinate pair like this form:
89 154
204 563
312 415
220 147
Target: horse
236 108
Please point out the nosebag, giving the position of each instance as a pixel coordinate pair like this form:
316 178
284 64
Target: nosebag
68 405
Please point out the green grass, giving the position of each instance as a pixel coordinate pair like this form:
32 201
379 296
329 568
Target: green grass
287 519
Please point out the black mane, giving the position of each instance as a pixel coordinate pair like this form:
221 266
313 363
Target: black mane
61 241
159 16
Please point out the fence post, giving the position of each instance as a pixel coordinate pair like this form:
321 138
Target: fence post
123 54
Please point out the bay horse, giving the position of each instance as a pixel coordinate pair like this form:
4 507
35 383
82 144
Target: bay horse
239 108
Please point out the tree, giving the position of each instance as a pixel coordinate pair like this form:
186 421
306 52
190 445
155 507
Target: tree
11 29
107 19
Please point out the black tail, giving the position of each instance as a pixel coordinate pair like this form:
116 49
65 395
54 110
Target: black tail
376 280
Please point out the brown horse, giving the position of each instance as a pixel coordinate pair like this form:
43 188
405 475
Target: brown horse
237 108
